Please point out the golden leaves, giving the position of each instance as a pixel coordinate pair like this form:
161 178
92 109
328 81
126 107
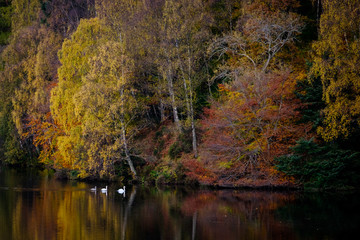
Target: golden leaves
336 61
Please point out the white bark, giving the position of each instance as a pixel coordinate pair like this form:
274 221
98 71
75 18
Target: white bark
173 103
193 132
126 149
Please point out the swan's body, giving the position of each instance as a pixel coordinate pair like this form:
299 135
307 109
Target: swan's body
121 190
93 189
104 189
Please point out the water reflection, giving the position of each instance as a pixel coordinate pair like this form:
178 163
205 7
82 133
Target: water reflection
38 207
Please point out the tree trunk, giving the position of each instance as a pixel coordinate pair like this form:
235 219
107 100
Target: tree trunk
127 154
189 102
190 110
186 95
173 103
194 142
123 130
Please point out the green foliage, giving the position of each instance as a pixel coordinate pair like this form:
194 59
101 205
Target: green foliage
159 141
159 134
175 150
182 144
13 151
74 174
321 167
226 15
168 173
159 147
154 174
5 22
5 16
310 93
122 171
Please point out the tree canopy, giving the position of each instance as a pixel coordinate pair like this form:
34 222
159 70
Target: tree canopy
189 91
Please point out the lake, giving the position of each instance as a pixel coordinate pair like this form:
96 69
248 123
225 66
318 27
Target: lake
36 206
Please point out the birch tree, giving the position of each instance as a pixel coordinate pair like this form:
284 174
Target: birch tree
336 61
183 36
108 107
93 101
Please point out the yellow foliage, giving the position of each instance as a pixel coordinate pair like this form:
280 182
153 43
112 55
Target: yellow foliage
336 62
93 101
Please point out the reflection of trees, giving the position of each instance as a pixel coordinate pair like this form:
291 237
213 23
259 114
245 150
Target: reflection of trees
172 213
193 232
67 214
249 214
177 214
336 216
93 216
127 211
151 214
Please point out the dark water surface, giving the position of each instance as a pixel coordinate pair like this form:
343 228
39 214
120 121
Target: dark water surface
34 206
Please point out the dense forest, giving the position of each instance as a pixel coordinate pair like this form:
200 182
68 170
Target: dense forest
246 93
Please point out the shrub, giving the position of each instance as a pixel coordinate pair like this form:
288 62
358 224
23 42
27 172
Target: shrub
321 167
183 144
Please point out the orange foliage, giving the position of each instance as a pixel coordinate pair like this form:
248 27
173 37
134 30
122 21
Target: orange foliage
197 171
255 121
43 132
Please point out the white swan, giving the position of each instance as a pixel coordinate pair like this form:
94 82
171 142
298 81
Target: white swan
104 190
121 190
93 189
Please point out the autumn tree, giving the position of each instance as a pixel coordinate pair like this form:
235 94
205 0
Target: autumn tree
167 47
135 24
30 62
253 118
94 102
259 38
108 107
167 57
16 68
336 61
26 12
183 34
74 57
